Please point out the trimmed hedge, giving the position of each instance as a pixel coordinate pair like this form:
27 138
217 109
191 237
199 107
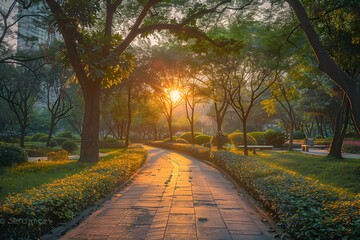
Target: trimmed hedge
111 143
11 154
237 138
181 140
259 137
59 155
275 138
187 136
37 136
302 206
202 139
39 209
69 145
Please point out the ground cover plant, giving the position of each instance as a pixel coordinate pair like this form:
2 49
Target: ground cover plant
302 206
31 213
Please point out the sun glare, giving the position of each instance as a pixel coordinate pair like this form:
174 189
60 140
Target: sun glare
175 95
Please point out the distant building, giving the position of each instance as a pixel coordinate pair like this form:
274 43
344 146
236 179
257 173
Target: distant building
31 31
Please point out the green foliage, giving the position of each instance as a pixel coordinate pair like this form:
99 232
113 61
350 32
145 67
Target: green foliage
168 139
259 137
181 140
59 201
53 143
43 138
60 140
60 155
298 135
66 134
187 136
323 141
37 151
202 139
37 136
219 140
275 138
111 143
11 154
28 138
69 145
237 138
351 146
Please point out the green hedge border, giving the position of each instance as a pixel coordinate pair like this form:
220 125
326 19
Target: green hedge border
302 206
31 214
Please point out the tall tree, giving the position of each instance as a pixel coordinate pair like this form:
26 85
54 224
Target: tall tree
98 55
19 87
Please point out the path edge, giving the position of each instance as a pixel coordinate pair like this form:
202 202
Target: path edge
63 228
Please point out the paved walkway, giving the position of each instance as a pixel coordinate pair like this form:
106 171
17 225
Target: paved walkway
175 197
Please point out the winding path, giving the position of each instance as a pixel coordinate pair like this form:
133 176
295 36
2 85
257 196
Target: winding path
175 197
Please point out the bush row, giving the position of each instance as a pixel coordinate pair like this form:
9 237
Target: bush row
11 154
303 207
30 214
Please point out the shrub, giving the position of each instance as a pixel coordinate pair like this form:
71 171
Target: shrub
219 140
43 138
202 139
351 146
181 140
9 137
66 134
237 138
59 155
111 143
259 137
69 145
53 143
27 138
59 201
60 140
37 136
323 141
11 154
275 138
168 139
37 152
298 135
187 136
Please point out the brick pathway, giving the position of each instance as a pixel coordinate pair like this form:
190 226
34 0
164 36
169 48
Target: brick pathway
175 197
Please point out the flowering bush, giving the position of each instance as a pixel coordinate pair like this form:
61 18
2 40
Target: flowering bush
351 146
302 206
31 213
59 155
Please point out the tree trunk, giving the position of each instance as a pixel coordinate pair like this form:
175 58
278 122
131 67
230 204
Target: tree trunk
291 135
342 121
192 126
22 134
350 86
246 152
129 116
89 151
52 125
170 129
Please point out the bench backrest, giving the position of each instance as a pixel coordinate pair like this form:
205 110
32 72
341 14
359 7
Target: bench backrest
310 141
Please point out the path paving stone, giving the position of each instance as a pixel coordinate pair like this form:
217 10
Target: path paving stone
175 197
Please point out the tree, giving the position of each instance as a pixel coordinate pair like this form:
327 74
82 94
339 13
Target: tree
99 57
19 87
249 81
57 100
346 82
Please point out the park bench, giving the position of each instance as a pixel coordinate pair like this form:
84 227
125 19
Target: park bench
310 143
254 147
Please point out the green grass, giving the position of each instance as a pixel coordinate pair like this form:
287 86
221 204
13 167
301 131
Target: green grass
32 174
337 173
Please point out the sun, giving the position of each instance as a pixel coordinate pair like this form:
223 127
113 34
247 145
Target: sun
174 95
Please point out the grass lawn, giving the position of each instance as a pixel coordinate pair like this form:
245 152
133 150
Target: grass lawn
337 173
31 174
